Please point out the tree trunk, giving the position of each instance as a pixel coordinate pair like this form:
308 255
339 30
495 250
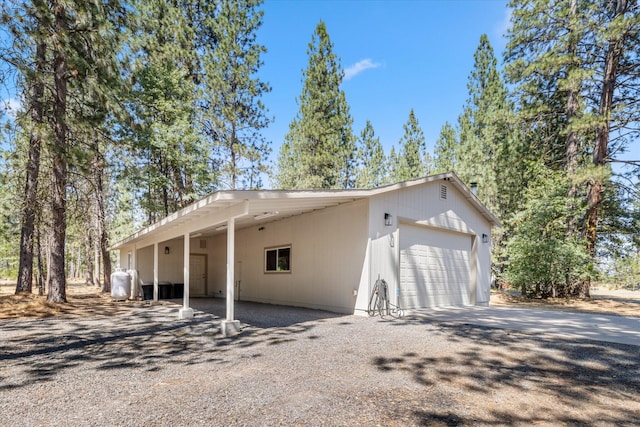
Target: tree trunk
41 287
596 187
102 229
571 109
25 269
57 286
96 262
48 264
88 253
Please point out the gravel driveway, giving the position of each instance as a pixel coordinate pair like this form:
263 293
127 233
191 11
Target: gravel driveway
304 367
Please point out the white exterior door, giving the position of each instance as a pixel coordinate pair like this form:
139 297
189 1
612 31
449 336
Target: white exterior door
198 275
434 267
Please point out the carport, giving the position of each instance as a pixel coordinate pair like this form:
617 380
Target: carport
428 238
221 212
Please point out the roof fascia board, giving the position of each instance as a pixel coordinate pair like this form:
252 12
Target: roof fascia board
457 182
473 199
146 236
245 196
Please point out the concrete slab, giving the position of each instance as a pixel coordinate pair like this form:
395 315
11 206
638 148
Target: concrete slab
597 327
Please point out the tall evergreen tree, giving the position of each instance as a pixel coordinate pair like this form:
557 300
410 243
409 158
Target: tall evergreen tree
617 91
29 58
482 126
415 160
572 63
444 152
397 167
371 171
72 47
171 167
234 113
320 143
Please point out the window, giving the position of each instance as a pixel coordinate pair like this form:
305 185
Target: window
277 260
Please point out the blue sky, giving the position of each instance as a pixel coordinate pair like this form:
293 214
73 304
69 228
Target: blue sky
397 55
410 54
419 55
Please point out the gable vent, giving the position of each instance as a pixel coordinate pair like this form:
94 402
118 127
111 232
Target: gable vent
443 192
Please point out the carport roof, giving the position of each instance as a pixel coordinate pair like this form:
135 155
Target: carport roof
208 215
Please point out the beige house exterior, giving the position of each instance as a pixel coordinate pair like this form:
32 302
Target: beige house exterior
428 238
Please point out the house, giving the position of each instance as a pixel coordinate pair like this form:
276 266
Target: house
428 238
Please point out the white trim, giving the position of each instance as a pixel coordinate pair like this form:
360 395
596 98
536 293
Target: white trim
215 209
186 259
231 225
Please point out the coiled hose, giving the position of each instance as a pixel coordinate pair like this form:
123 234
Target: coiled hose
379 301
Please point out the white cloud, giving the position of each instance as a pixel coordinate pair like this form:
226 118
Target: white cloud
10 106
503 26
359 67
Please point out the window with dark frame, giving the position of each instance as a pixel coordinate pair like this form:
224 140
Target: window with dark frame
277 260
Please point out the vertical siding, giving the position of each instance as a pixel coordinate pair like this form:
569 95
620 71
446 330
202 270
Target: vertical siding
144 258
170 266
334 251
423 204
328 254
385 253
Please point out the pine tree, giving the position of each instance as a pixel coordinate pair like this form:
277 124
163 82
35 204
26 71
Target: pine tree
234 112
171 164
320 144
544 57
543 261
35 87
482 127
572 63
618 90
415 161
397 167
444 152
371 171
72 45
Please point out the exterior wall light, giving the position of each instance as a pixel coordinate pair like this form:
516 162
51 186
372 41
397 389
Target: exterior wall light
474 188
485 238
166 250
388 219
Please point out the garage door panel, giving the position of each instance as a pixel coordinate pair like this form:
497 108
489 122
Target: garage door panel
434 267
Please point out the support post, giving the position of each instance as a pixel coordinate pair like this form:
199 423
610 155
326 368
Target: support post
230 326
135 286
186 312
155 272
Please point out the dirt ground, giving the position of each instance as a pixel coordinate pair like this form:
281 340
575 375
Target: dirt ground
148 369
602 301
86 301
82 301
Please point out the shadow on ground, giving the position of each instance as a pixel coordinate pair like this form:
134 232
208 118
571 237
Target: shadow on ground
576 377
146 337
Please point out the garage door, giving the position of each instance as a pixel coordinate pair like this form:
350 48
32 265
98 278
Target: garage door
434 267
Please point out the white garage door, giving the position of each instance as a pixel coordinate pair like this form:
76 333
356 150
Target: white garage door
434 267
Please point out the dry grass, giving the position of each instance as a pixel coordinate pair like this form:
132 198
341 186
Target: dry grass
621 304
82 301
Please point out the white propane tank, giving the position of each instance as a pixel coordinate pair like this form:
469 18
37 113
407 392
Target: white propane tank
120 285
